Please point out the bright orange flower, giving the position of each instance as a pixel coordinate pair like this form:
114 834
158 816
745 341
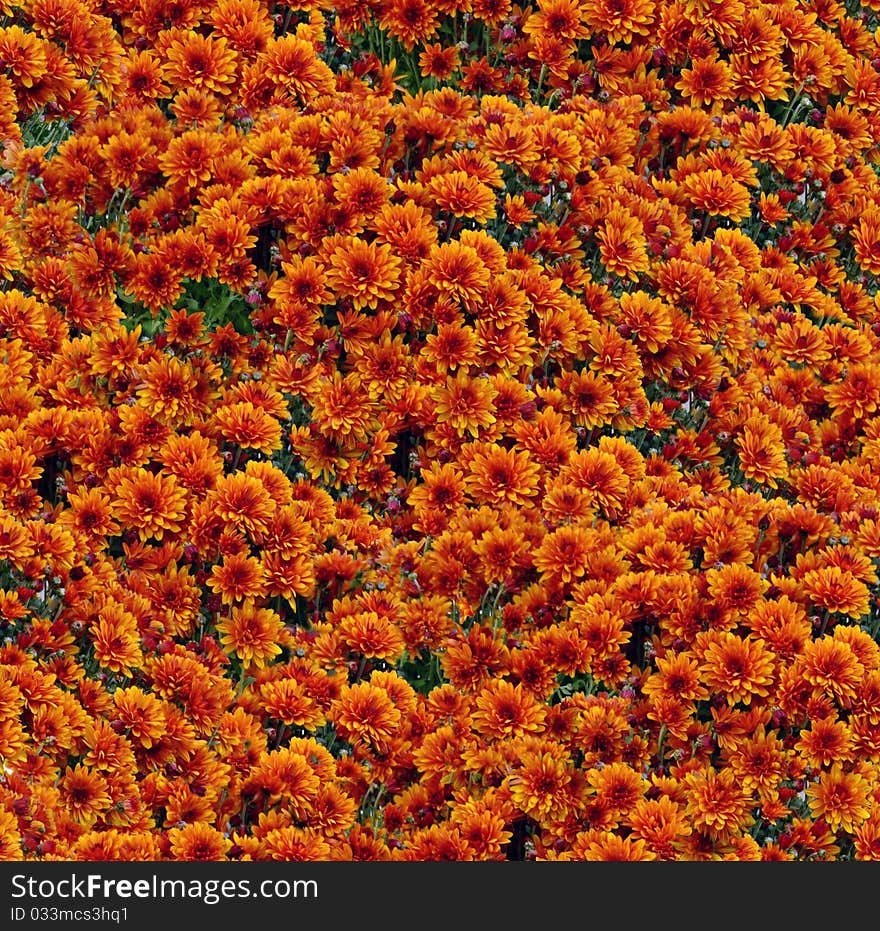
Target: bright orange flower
842 798
85 794
717 194
506 710
251 633
465 403
249 426
622 244
117 639
198 842
498 475
837 590
188 159
141 715
365 272
151 503
410 21
830 665
542 785
237 578
737 668
620 21
365 713
457 270
462 195
717 803
291 64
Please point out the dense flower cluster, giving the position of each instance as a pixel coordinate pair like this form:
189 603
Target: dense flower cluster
439 429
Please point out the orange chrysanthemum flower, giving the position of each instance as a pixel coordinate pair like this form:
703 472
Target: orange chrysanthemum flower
151 503
462 195
365 713
251 633
498 475
237 578
620 21
717 194
365 272
542 785
465 403
842 798
198 842
622 244
737 668
507 710
292 64
249 426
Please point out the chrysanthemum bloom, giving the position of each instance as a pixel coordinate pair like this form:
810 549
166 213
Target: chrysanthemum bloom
372 635
599 475
620 21
140 714
365 713
84 794
842 798
198 842
837 590
462 195
288 700
661 823
762 451
498 475
589 398
292 65
677 677
365 272
465 403
116 639
482 824
622 244
564 553
302 845
559 19
542 785
188 159
605 846
736 587
249 426
618 787
858 394
439 61
155 282
760 762
737 668
238 577
830 665
151 503
717 194
251 633
242 502
506 710
202 62
410 21
168 389
866 838
342 408
458 271
23 55
707 82
826 741
649 319
716 803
